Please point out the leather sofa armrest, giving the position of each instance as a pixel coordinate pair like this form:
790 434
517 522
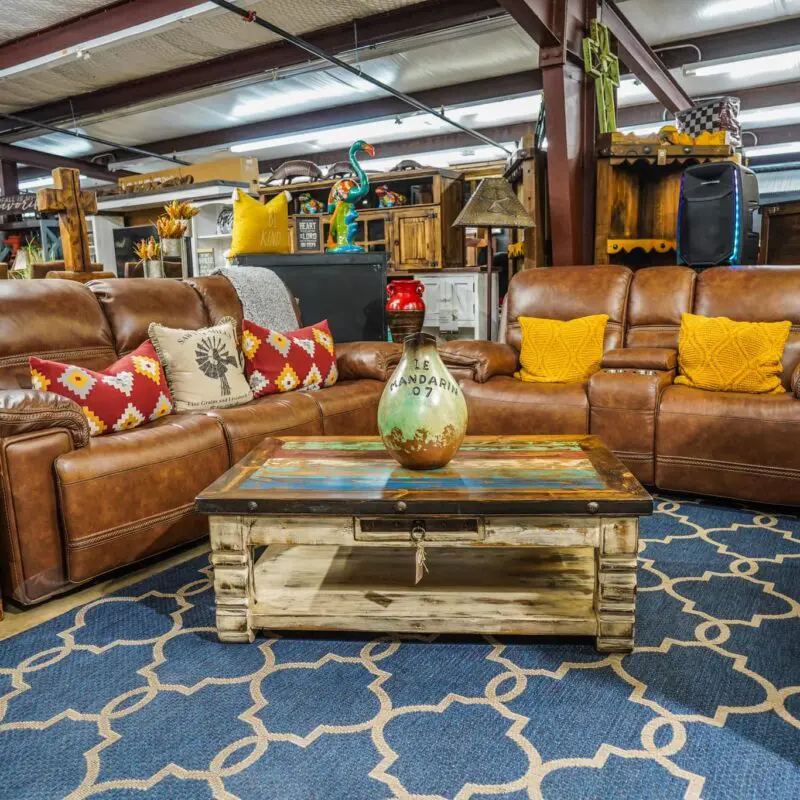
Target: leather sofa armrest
375 360
483 359
26 410
795 382
657 358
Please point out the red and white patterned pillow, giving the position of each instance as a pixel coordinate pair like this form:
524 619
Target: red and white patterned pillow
304 359
129 393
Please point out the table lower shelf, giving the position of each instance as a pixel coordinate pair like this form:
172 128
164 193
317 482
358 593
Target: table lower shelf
483 590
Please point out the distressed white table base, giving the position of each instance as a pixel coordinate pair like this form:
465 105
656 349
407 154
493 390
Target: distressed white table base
514 575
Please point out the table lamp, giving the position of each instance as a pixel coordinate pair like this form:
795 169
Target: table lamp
493 205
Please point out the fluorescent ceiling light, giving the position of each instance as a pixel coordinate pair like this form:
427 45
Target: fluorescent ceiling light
278 100
773 149
442 158
477 115
747 67
84 49
41 183
725 7
785 114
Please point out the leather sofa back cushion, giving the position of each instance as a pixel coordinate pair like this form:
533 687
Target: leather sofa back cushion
219 298
659 295
566 293
131 392
58 320
754 294
131 305
720 355
561 352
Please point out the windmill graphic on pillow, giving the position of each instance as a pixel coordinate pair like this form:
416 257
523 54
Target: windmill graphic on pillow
214 360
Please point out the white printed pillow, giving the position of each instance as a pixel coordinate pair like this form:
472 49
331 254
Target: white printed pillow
204 368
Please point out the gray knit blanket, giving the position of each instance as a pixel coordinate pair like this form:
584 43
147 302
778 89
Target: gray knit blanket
265 299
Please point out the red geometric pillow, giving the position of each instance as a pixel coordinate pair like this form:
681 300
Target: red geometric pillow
127 394
280 362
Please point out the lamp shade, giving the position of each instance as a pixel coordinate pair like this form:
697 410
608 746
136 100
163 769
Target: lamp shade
494 205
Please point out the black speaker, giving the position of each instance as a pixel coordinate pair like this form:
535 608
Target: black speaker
715 215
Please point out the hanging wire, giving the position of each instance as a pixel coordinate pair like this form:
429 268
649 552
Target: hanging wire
251 16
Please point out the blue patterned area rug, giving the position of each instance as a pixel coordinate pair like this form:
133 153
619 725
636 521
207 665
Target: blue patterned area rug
132 696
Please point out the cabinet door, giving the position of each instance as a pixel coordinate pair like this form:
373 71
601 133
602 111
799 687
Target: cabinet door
415 244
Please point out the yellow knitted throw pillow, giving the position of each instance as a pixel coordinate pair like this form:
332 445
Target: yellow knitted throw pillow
561 352
259 228
721 355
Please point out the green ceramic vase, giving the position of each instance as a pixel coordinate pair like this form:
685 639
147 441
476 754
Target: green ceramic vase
422 416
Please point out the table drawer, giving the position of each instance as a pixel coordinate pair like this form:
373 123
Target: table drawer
454 530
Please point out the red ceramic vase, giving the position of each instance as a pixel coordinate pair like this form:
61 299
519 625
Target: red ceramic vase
405 309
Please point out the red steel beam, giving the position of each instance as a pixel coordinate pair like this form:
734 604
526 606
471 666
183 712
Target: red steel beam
642 61
423 17
535 17
36 158
109 19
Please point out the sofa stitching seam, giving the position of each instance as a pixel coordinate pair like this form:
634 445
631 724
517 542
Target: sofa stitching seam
136 469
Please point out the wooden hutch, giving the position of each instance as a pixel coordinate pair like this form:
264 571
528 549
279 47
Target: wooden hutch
638 189
417 235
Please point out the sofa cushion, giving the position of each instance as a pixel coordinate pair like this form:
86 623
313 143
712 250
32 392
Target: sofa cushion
350 408
658 297
721 355
293 414
131 305
504 405
122 495
127 394
556 351
285 361
568 293
58 320
204 367
754 294
729 444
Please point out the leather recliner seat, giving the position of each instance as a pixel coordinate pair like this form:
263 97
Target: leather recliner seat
740 446
75 507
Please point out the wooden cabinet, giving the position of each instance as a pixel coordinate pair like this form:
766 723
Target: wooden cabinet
417 238
417 235
638 189
780 233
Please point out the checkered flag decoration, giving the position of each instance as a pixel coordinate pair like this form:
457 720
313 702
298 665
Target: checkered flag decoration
718 114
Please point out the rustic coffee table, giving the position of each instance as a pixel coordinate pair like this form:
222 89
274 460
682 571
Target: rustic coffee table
517 535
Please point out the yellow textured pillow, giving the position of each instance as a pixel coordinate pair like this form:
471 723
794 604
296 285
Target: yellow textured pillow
721 355
561 352
259 228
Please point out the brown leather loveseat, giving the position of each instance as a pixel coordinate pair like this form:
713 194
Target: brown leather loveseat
727 444
74 507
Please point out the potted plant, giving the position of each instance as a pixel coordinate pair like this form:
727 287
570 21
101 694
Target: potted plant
148 252
183 211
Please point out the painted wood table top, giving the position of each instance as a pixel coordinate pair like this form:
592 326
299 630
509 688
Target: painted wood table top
489 475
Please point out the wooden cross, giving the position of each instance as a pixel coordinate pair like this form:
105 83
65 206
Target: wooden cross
72 205
603 66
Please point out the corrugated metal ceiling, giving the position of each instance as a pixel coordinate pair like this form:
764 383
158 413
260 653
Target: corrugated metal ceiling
194 39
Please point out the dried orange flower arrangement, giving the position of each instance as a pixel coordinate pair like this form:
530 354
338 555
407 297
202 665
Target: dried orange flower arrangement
147 249
180 209
169 228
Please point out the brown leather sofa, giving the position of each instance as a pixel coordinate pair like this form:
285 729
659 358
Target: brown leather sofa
74 507
674 437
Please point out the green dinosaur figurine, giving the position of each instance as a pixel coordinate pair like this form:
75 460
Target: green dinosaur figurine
344 195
